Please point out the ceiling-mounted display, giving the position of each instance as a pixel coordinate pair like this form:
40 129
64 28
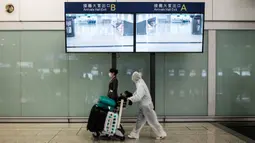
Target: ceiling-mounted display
110 27
170 27
98 27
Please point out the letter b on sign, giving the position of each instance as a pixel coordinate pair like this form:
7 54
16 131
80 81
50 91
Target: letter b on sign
113 7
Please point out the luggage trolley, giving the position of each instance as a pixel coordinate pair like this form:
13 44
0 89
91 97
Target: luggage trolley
111 129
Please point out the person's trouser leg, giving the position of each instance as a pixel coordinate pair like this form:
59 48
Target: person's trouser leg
139 125
151 118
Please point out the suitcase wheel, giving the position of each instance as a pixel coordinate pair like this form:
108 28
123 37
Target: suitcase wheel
96 134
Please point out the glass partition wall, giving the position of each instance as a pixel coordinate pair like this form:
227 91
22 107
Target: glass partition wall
38 79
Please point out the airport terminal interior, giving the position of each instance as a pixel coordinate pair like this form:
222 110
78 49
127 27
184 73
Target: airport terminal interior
199 69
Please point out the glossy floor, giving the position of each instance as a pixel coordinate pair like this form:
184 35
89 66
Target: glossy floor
76 133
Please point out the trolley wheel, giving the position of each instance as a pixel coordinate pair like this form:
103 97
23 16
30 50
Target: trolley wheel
122 138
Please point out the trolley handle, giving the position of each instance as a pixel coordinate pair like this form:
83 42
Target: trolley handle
120 113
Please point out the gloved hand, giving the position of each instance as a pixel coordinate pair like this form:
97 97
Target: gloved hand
129 102
122 96
128 94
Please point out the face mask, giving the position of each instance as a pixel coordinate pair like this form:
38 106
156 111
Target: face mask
140 73
110 75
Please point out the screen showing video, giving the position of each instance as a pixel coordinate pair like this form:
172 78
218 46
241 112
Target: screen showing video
99 32
169 32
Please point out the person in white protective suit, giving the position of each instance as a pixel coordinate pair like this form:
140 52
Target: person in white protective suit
146 109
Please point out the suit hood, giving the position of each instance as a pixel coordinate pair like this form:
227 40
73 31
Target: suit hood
136 76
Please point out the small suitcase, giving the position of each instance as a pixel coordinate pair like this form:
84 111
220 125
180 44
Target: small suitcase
99 112
96 119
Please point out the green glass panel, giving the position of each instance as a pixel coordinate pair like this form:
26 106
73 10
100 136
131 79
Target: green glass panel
44 74
181 83
10 104
235 72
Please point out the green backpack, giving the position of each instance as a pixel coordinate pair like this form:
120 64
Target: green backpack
106 103
104 106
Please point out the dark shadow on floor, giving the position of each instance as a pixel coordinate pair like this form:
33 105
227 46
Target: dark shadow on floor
242 130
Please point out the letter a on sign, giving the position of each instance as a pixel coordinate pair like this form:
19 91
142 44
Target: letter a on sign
183 8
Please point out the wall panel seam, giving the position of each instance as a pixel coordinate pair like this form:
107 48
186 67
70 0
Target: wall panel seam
20 75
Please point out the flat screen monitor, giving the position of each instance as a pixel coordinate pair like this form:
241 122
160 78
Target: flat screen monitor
169 32
108 32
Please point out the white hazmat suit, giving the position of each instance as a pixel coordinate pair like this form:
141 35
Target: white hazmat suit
146 109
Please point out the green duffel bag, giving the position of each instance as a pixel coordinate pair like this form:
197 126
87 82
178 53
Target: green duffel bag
104 106
107 101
